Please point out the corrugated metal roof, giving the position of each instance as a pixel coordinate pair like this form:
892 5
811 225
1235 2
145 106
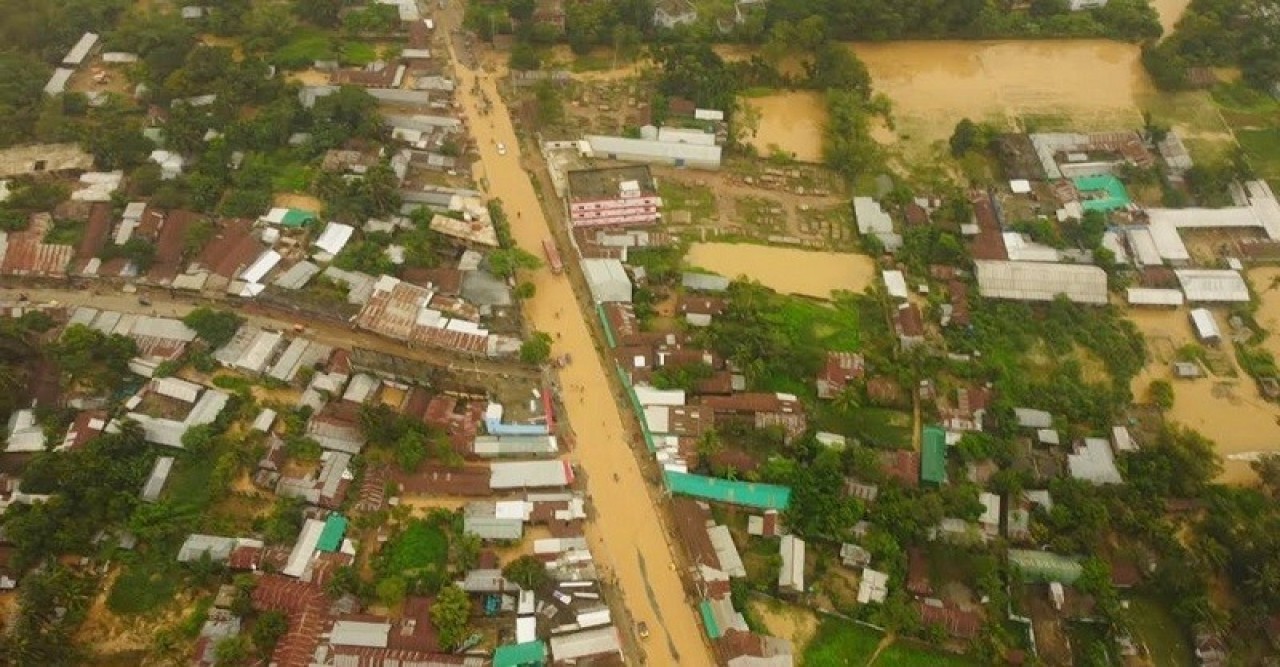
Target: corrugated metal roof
748 494
155 483
360 633
648 149
1041 281
297 276
933 459
1213 285
81 50
530 474
595 642
1150 296
493 528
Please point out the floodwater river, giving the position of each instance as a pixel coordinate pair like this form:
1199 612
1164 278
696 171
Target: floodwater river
626 535
788 270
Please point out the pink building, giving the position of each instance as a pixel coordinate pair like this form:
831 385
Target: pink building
616 197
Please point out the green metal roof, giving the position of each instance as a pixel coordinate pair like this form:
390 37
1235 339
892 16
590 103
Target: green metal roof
331 537
528 654
933 457
709 620
1042 566
297 218
1114 197
747 494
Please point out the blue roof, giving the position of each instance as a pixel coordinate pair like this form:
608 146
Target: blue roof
528 654
748 494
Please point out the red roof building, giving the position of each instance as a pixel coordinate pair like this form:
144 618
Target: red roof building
840 369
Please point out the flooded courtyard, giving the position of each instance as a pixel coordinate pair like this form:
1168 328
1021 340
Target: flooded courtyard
1225 408
786 270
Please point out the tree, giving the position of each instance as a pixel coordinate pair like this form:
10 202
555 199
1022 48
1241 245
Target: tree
215 327
525 290
1160 393
324 13
451 615
231 652
835 66
528 572
505 262
392 590
550 106
268 629
524 57
964 138
847 144
411 450
536 349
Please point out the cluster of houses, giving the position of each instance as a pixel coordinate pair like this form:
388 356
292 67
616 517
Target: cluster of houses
1060 177
511 468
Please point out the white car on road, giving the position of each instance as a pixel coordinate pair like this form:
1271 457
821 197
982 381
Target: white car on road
502 148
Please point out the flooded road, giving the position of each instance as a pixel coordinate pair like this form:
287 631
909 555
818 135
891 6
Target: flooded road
787 270
626 535
791 122
1227 410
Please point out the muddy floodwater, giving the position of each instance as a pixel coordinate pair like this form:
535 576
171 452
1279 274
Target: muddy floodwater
1227 410
788 270
1088 83
934 84
791 122
1170 11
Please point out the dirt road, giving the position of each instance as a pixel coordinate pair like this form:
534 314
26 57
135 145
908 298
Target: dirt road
626 536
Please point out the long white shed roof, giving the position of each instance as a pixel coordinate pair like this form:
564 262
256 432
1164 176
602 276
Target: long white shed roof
1213 285
1041 281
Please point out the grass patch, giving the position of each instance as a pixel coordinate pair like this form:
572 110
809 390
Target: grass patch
698 200
291 177
358 54
834 326
883 427
841 643
1193 111
593 62
146 582
306 47
902 654
65 232
1262 147
420 546
1152 625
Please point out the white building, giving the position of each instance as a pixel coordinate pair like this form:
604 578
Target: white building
1041 281
608 280
791 574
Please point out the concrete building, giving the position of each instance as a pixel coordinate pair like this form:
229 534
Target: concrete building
614 197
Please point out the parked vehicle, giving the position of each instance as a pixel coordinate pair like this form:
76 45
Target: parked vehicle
553 256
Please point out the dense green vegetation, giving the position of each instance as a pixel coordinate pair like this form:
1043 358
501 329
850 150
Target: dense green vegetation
1216 33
